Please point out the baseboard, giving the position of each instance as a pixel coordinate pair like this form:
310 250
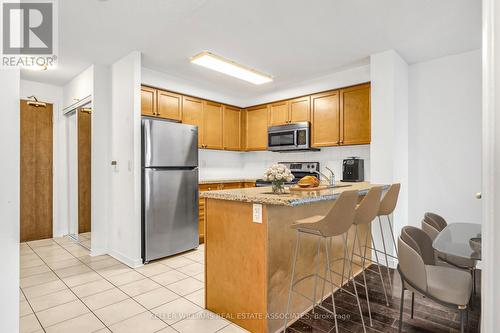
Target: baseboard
97 252
132 263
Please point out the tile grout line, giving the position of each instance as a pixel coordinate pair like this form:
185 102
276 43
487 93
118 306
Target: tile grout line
116 286
71 291
43 328
228 323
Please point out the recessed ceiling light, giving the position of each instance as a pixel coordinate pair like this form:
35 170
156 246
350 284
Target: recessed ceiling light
220 64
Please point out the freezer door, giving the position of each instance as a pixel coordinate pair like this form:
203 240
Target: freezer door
170 212
168 144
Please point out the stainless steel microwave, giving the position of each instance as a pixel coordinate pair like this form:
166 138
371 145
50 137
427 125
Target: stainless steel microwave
295 136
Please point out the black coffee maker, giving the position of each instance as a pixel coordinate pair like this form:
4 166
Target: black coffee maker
353 170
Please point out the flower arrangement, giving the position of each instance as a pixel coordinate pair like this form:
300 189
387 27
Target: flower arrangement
278 174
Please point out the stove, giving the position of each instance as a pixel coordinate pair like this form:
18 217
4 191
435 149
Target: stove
298 169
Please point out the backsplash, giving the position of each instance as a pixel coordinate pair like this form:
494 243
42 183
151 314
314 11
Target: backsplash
216 164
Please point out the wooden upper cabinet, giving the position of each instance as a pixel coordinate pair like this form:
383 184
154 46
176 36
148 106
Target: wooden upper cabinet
278 113
325 114
212 125
355 111
192 113
232 128
256 128
300 109
148 101
169 105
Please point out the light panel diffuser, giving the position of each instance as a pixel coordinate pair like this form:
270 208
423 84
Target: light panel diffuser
228 67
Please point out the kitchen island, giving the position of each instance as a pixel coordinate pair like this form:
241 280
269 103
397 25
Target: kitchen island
248 252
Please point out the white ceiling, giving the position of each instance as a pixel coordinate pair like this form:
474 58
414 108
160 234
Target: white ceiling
293 40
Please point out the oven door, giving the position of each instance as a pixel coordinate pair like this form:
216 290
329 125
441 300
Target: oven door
282 140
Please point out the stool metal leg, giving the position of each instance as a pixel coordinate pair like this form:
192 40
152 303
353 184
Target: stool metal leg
392 234
379 269
346 255
363 256
385 253
412 304
294 262
316 276
327 251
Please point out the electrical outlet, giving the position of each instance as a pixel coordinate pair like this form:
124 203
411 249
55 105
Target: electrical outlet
257 213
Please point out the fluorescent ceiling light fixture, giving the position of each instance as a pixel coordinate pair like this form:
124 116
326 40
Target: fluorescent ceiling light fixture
220 64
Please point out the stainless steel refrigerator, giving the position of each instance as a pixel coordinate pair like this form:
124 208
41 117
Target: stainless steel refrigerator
169 188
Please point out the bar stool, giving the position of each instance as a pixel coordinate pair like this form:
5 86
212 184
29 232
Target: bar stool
387 206
336 223
366 212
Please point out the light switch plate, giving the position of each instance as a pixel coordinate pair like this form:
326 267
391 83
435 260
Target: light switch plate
257 213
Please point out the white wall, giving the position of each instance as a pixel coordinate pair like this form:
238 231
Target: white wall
9 199
255 163
445 138
125 216
217 164
101 168
331 81
54 95
78 88
490 300
179 85
389 145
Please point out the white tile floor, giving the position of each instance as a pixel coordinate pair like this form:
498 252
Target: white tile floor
63 289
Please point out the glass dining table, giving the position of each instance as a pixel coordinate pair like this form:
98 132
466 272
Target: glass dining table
454 240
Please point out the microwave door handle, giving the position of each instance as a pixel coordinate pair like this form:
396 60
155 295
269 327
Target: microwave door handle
295 138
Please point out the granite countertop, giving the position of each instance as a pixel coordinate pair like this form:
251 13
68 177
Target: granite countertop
264 195
227 180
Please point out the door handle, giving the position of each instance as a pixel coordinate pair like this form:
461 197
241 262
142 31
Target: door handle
479 195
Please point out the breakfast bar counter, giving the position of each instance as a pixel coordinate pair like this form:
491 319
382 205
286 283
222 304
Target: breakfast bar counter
248 252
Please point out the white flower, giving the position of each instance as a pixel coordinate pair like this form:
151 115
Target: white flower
278 172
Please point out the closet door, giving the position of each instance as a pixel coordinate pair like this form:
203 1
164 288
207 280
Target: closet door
36 172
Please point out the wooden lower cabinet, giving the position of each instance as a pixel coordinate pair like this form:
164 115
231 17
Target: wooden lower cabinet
213 187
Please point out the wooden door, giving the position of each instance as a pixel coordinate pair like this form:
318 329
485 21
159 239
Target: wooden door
148 101
192 113
325 109
169 105
232 128
355 112
84 122
300 109
212 125
278 113
36 172
256 128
